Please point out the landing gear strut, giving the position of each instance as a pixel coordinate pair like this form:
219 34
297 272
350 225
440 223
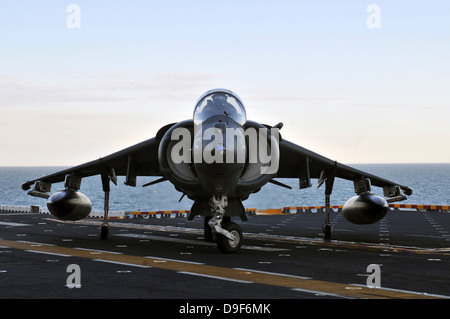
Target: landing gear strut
104 229
227 233
327 227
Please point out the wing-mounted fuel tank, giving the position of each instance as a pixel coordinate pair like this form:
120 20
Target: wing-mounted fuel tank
70 204
67 204
365 207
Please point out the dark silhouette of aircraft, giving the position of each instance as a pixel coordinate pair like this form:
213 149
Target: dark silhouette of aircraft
218 159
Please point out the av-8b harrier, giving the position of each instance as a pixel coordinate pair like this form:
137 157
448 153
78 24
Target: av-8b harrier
218 159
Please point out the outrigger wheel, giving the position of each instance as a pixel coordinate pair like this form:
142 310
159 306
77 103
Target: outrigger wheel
326 231
104 232
227 245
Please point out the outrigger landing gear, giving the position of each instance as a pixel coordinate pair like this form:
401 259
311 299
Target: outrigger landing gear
227 233
104 229
327 227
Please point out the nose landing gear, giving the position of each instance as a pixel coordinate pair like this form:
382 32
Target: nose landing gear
227 233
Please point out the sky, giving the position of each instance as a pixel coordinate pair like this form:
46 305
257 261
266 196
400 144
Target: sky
357 81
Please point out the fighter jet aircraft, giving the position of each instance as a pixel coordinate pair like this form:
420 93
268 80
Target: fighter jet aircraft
218 159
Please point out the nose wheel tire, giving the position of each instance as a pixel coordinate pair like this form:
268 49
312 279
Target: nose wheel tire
227 245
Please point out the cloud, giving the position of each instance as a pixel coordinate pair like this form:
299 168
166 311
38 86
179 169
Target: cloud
77 117
101 87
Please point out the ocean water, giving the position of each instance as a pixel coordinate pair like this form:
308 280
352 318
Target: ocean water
430 182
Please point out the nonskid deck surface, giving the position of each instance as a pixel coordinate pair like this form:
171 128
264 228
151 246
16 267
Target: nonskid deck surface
282 257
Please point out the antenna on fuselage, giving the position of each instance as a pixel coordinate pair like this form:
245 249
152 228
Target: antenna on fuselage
227 115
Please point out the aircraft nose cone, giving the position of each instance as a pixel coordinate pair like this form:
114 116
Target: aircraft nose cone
219 155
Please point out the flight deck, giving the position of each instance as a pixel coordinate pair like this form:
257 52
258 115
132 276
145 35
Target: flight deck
283 256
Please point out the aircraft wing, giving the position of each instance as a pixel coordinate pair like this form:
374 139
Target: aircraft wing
137 160
299 162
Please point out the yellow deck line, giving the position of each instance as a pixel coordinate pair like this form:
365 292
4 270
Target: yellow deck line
293 282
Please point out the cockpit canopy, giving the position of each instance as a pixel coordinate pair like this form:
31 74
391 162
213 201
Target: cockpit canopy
219 102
